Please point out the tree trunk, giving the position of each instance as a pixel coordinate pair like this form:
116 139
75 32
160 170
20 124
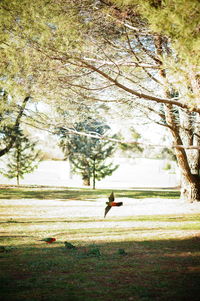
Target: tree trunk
190 191
190 136
188 162
18 160
18 180
184 131
93 174
86 180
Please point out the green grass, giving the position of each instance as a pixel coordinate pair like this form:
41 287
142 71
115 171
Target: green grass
161 259
82 194
151 270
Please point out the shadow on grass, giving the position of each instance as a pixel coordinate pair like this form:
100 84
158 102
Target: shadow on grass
82 194
149 270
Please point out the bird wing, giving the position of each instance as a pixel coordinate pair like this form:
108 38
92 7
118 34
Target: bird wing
106 210
111 197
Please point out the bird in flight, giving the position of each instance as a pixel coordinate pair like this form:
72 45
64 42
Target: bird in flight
111 203
48 240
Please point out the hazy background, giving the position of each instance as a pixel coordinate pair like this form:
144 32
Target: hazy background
137 172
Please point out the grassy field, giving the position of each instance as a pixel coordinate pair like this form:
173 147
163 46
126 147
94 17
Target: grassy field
80 194
122 257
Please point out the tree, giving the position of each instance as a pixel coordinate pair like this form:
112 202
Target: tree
119 58
153 53
86 154
26 72
9 121
170 20
22 158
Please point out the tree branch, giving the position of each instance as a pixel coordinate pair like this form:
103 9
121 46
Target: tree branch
170 101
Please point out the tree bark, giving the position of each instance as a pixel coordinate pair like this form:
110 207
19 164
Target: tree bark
191 185
18 180
86 176
188 160
94 174
190 191
86 181
183 132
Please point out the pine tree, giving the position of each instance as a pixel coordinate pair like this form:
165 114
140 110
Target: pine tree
88 155
23 158
10 119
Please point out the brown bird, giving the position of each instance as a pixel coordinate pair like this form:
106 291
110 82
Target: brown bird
111 203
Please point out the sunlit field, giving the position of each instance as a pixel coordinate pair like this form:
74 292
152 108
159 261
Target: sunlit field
138 172
148 249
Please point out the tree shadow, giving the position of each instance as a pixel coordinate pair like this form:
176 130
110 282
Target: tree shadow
81 194
147 270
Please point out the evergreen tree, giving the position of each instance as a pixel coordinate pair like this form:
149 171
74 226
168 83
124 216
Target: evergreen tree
10 118
23 158
88 155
